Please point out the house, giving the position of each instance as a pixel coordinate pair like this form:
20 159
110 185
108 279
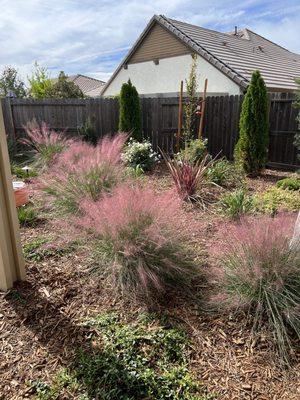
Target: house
90 87
161 58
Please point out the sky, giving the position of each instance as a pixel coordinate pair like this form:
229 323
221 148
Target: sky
91 37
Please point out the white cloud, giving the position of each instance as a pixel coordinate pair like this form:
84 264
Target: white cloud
91 37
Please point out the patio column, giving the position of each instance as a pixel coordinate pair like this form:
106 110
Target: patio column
11 258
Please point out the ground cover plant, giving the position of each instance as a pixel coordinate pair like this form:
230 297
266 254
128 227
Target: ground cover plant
276 199
85 171
289 183
136 229
262 274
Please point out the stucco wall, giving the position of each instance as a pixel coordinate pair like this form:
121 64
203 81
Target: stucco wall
166 76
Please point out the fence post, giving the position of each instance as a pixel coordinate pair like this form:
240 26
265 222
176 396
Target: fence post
11 258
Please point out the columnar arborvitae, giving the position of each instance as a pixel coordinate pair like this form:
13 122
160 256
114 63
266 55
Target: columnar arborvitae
130 111
251 149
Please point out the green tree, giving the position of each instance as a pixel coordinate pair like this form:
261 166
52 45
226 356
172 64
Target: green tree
190 106
40 82
11 84
130 111
64 89
252 147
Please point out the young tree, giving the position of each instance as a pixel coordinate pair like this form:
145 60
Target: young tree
190 107
40 82
11 84
64 89
251 149
297 104
130 111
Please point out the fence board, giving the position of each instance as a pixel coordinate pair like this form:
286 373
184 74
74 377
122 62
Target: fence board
159 121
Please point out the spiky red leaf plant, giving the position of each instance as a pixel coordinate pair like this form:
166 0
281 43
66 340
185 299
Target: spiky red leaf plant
262 273
45 143
85 171
187 176
138 231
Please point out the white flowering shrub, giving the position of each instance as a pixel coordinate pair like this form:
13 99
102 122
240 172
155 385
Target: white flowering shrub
140 155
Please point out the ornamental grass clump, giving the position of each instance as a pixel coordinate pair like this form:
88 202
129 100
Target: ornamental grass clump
85 171
187 176
45 143
136 231
262 274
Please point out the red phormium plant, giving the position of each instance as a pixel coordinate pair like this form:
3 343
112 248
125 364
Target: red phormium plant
262 272
139 231
186 175
85 171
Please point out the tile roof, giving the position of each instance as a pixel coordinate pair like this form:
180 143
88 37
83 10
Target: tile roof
236 55
241 53
90 86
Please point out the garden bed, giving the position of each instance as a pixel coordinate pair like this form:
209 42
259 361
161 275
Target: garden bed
43 321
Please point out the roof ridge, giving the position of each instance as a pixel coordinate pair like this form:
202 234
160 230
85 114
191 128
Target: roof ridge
268 40
240 76
89 77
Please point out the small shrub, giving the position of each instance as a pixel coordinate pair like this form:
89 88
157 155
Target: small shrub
236 203
137 231
45 143
186 176
276 199
262 273
224 173
140 156
85 171
194 152
27 215
289 183
88 133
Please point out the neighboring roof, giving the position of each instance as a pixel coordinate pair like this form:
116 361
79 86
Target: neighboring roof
236 55
89 86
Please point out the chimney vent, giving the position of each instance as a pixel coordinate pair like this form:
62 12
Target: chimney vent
235 31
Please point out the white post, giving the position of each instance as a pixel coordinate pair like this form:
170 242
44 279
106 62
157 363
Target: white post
11 258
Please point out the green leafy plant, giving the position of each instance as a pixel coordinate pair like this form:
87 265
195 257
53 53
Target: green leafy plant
224 173
137 360
236 203
41 248
262 274
252 147
289 183
190 105
140 156
130 111
194 151
22 173
40 82
11 84
88 133
276 199
27 215
64 88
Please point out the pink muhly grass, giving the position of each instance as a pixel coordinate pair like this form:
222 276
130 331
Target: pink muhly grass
139 231
262 271
85 171
45 142
186 175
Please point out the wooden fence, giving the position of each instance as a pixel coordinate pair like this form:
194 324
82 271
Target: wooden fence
159 121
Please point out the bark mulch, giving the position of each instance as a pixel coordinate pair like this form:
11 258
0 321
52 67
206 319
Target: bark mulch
41 325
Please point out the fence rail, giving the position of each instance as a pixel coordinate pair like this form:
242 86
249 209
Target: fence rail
159 121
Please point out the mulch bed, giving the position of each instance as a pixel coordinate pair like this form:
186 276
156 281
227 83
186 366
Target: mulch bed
41 323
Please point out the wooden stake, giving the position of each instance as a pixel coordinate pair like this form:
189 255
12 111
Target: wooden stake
179 118
202 111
